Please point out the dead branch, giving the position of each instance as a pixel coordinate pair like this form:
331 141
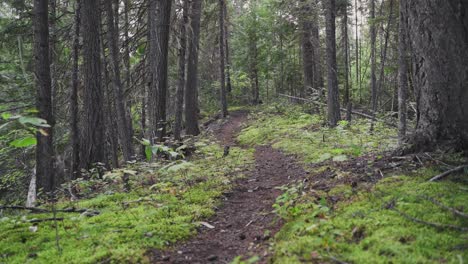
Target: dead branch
443 206
447 173
342 109
45 220
42 210
436 225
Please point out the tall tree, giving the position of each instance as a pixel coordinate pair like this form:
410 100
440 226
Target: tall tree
45 148
358 83
373 35
222 73
347 100
384 52
308 56
159 28
191 88
93 128
226 46
439 37
182 62
253 55
402 73
332 80
122 123
75 134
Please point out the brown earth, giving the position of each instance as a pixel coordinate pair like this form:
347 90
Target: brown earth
245 222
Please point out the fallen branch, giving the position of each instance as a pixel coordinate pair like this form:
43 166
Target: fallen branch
32 209
45 220
447 173
42 210
436 225
450 209
342 109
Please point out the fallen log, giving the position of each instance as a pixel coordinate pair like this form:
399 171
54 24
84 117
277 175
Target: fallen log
42 210
45 220
342 109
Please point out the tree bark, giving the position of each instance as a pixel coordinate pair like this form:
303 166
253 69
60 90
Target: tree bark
402 74
373 35
439 40
384 53
159 26
222 71
44 148
182 62
191 89
127 64
226 45
93 141
333 94
307 46
358 84
122 123
347 101
75 134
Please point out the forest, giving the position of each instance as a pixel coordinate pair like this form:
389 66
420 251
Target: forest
234 131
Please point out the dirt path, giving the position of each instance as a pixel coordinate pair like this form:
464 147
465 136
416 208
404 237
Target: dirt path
245 222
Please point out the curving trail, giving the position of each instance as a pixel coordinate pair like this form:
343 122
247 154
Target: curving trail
245 222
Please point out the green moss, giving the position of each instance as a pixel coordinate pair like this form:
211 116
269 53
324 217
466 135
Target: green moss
303 134
128 223
365 230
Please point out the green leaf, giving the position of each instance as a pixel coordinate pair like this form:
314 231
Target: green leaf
35 121
24 142
6 116
148 153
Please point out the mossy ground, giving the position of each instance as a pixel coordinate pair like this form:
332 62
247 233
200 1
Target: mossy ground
296 132
163 207
365 229
362 227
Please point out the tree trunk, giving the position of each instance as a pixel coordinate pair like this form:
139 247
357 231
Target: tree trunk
358 84
253 64
75 134
439 37
222 71
127 64
333 94
159 14
111 134
122 123
373 35
191 89
307 46
402 73
44 148
226 45
93 142
384 53
182 62
347 101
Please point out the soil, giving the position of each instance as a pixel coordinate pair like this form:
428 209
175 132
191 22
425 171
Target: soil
244 224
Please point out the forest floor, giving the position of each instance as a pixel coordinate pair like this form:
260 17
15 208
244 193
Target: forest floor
288 189
245 221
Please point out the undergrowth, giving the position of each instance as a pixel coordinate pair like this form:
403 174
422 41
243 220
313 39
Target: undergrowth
369 223
369 228
296 132
165 204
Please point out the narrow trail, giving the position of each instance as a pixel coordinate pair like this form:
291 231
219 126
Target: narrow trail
244 222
